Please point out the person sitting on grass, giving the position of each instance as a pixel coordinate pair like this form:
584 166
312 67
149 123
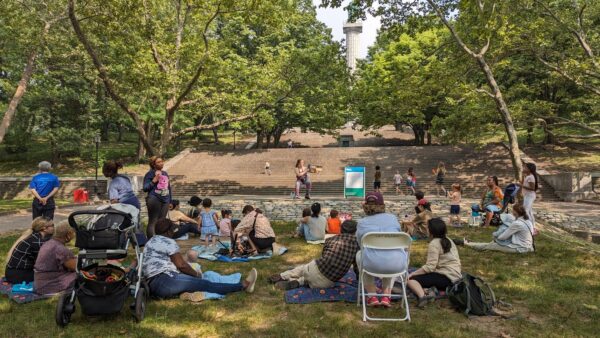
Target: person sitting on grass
518 238
169 275
339 253
417 227
256 226
334 223
22 255
491 201
313 226
55 264
442 268
379 261
185 224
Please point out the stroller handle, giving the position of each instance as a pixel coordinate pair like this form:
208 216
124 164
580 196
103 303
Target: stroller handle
122 227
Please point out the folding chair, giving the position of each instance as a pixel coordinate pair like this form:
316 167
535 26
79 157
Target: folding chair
384 241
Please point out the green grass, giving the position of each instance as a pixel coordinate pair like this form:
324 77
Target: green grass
554 293
16 204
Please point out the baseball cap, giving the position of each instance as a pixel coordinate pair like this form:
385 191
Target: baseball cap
374 198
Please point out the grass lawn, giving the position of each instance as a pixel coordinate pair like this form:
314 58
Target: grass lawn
554 293
16 204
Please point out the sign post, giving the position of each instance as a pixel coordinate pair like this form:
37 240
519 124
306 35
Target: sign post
354 182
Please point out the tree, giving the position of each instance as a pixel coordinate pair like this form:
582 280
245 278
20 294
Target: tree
478 22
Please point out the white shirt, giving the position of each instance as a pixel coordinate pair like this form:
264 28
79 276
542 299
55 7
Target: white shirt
157 256
529 181
398 179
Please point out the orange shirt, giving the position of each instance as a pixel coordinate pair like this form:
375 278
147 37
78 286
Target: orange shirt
334 226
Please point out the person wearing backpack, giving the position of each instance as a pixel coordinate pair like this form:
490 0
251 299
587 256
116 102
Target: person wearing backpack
442 268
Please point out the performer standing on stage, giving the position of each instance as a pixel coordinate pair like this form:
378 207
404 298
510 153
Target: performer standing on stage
302 178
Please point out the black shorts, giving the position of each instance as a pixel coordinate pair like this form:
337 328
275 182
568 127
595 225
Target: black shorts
376 185
261 243
454 209
441 282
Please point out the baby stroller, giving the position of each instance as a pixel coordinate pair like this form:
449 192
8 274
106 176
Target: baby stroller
102 288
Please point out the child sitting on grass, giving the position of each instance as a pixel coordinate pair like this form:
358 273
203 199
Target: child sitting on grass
208 222
302 223
334 223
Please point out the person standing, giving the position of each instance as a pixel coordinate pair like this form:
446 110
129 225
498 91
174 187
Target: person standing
158 187
529 184
398 182
119 189
377 181
302 179
44 186
440 173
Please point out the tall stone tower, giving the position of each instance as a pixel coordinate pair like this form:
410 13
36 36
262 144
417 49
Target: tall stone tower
352 31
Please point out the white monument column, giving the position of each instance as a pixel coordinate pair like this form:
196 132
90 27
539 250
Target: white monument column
352 31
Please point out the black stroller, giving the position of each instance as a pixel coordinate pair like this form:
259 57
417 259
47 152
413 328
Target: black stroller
100 287
510 197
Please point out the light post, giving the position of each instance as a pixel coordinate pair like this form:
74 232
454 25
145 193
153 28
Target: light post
97 141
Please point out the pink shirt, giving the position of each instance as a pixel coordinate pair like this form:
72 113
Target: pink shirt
225 227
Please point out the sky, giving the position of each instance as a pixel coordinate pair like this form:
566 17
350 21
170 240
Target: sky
334 18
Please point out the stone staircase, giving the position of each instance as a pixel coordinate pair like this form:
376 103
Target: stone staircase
241 172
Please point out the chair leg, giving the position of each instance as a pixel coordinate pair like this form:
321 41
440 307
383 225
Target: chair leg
405 300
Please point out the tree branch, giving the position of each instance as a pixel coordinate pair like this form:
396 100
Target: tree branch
564 74
483 91
103 74
214 125
155 55
451 28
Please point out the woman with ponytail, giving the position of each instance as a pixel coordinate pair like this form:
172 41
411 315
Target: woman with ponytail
529 184
21 257
442 267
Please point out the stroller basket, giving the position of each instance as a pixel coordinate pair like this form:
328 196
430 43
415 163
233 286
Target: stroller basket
100 229
103 290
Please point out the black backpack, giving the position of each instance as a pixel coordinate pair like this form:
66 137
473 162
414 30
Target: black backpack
471 295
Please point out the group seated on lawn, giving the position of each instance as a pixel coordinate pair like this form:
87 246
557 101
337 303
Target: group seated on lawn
40 255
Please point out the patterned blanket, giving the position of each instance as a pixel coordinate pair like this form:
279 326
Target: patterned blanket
21 298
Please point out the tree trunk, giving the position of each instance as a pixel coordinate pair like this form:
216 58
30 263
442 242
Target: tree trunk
529 140
259 139
513 142
216 135
104 131
16 99
121 132
428 138
398 126
277 137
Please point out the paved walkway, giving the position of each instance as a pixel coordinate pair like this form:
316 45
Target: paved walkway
22 219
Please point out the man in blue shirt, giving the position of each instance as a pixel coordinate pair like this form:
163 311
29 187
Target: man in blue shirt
44 186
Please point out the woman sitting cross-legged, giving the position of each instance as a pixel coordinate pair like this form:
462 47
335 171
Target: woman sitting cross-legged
517 238
169 275
21 257
442 267
55 264
376 260
312 227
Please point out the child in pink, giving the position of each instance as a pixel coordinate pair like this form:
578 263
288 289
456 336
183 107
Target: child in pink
225 223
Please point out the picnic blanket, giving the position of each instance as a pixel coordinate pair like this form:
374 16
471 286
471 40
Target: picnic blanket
210 253
21 298
344 290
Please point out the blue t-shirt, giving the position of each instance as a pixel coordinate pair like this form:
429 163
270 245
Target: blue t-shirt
381 261
44 183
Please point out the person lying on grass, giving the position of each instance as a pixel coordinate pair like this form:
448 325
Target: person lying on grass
442 267
169 275
339 253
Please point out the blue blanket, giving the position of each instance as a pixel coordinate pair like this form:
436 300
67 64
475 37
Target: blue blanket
210 253
7 289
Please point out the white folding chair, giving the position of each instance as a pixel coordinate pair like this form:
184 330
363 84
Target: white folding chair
384 241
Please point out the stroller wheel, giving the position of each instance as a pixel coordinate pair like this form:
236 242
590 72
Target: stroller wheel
140 305
64 309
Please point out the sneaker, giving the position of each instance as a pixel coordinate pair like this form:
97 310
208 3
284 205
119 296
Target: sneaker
307 197
275 278
194 297
287 285
251 279
373 301
424 300
386 302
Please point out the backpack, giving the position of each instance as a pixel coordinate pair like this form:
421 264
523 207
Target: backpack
471 295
